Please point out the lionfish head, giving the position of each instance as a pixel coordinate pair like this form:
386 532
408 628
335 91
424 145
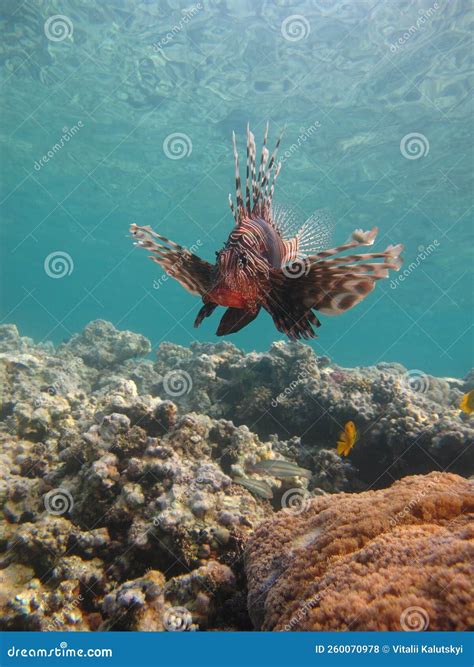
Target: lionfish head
236 280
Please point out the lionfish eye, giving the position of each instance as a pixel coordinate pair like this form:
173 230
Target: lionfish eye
242 260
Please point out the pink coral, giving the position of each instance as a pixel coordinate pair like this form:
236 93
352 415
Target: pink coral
394 559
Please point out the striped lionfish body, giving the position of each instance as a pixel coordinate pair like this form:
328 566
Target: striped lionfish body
269 262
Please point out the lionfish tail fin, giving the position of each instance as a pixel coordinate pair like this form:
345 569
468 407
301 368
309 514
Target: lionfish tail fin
259 187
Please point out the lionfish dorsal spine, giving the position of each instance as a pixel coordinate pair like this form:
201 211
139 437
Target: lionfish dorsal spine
232 208
263 157
253 156
259 188
247 173
238 187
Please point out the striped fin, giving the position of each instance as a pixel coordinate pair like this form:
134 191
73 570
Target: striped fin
253 157
232 208
259 189
263 160
357 238
192 272
263 192
309 237
238 188
247 173
272 189
329 286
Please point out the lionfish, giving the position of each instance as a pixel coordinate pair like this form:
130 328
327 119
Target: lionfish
269 262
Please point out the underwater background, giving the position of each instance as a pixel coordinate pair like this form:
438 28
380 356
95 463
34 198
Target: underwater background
142 97
155 477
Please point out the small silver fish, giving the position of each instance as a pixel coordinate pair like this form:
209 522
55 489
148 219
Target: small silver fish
255 486
280 469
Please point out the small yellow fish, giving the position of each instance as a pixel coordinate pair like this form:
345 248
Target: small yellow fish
347 439
467 402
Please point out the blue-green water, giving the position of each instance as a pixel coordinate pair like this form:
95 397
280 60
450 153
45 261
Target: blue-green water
350 80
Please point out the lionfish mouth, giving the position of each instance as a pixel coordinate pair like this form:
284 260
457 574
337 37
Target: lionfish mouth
227 297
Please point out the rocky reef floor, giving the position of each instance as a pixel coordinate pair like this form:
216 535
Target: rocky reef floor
143 494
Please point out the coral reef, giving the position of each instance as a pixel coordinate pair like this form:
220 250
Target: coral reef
129 487
368 561
408 422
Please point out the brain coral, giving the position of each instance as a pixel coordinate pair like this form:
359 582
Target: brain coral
393 559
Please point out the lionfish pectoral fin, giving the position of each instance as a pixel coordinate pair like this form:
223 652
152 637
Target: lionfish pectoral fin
206 310
235 319
192 272
330 286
